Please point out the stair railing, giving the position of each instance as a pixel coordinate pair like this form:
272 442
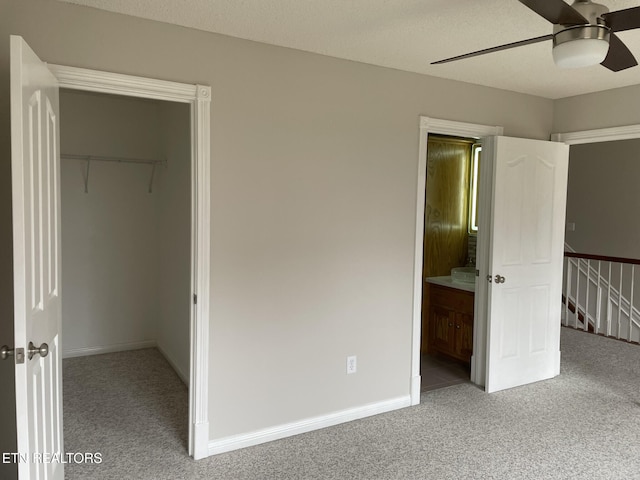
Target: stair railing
600 293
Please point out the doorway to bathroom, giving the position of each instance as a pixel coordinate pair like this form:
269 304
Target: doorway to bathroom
449 253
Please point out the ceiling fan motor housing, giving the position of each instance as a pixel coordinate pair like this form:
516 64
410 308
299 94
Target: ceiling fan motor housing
591 11
594 38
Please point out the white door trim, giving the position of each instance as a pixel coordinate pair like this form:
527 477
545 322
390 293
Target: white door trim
460 129
199 97
625 132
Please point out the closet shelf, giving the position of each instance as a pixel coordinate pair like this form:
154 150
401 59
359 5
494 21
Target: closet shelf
98 158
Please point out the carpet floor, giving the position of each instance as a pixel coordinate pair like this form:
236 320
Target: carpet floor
584 424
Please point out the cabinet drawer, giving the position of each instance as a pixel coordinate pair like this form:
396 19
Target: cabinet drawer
453 299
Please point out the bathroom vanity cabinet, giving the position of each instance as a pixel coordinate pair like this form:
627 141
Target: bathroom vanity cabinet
451 321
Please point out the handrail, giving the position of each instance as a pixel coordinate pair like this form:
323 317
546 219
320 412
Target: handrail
602 258
599 295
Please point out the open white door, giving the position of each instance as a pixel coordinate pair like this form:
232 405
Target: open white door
526 243
36 264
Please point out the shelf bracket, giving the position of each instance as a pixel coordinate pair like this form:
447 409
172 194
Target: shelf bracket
86 175
153 172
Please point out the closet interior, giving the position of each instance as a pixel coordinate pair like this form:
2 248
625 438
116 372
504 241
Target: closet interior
126 226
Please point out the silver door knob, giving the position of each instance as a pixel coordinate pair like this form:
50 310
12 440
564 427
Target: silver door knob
499 279
5 352
42 350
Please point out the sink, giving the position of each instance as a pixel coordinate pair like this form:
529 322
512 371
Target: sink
463 275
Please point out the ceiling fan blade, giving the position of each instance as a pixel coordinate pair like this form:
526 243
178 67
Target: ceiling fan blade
495 49
622 20
619 56
556 12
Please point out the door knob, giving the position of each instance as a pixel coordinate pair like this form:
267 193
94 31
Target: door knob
43 350
5 352
499 279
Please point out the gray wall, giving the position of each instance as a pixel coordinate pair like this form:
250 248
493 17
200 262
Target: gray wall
314 164
611 108
173 236
603 198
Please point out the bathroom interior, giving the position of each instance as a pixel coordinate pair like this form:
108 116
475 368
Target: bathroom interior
449 257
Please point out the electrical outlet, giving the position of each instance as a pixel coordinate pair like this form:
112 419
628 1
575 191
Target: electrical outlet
351 364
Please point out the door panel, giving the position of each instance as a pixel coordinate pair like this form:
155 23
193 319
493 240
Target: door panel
464 335
545 198
526 229
441 336
36 251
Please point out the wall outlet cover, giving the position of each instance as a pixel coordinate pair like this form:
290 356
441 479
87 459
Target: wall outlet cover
352 364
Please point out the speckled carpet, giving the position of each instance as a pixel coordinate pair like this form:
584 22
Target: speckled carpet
584 424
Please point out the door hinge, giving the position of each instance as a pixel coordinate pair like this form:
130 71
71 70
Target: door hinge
195 299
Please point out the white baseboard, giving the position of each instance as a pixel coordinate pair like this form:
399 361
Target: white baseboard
117 347
289 429
174 365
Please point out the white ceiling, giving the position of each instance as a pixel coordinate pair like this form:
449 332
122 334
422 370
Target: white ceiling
402 34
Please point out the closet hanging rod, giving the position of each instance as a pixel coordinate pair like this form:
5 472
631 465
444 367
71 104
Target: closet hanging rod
93 158
148 161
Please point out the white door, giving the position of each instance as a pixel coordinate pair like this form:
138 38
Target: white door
526 247
36 263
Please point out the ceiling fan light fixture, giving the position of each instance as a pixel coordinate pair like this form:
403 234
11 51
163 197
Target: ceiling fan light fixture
581 46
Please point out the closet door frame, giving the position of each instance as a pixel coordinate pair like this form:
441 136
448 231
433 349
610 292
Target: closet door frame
199 98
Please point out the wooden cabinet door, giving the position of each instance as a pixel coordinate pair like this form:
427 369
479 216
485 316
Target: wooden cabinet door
451 322
442 336
464 336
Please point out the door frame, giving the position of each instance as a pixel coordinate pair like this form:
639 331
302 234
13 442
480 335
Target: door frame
199 98
428 126
625 132
447 127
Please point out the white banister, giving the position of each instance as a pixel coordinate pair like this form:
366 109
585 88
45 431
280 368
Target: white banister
613 311
576 309
619 303
633 271
609 304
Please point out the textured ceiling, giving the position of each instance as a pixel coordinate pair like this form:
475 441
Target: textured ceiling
402 34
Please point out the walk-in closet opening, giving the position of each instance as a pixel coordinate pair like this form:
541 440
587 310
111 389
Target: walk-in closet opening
126 212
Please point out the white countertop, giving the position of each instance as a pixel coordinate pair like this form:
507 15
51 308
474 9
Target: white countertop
447 282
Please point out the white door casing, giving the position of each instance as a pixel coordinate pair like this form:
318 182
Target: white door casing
36 262
429 126
526 238
199 98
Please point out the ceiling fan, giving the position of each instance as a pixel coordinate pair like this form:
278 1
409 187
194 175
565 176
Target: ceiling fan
584 34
